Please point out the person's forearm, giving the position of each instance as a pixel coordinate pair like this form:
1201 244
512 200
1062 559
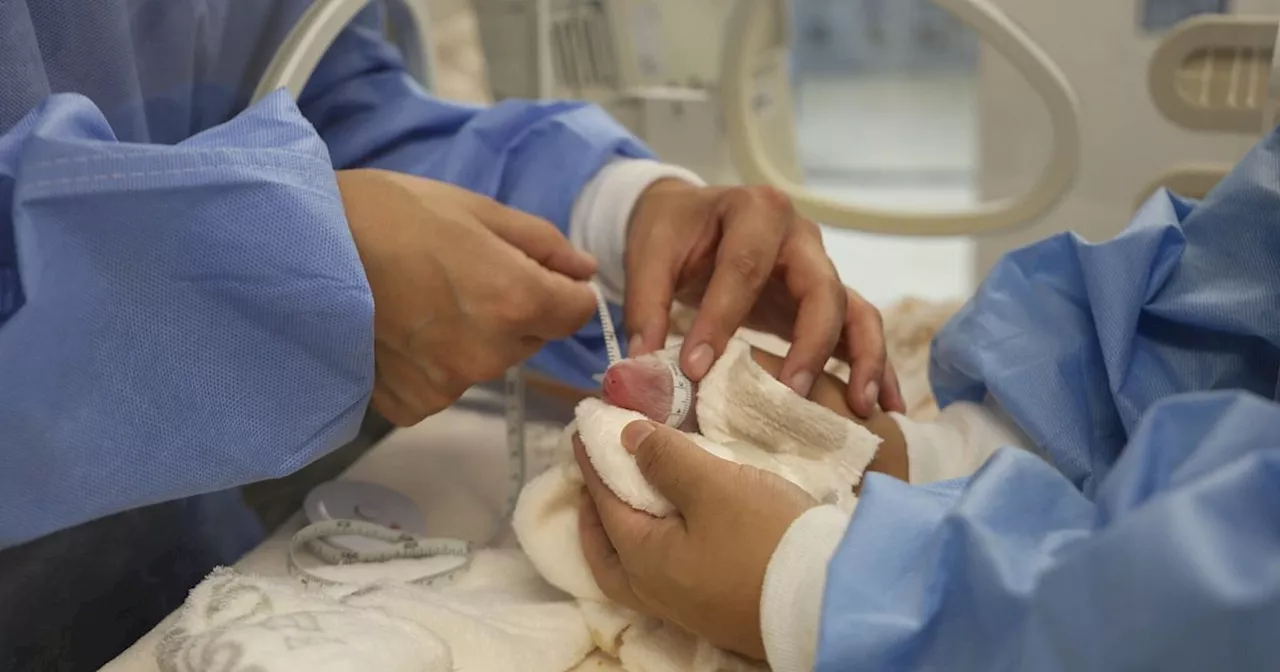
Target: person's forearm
534 156
603 211
952 445
955 443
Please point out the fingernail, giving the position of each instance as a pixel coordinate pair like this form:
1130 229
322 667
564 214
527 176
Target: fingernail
802 382
635 433
700 360
635 345
872 393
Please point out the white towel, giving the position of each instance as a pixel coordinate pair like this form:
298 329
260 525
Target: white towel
234 622
755 420
501 615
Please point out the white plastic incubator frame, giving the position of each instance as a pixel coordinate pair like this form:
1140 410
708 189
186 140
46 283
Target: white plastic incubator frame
756 38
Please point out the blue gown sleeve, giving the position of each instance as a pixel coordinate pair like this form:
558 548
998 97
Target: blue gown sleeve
1175 565
1145 369
534 156
1076 341
174 320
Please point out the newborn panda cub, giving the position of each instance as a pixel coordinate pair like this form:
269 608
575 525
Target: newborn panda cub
645 385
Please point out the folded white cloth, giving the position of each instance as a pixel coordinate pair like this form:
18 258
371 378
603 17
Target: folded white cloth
502 615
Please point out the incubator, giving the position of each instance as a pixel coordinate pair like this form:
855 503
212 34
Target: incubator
354 522
653 64
1215 74
718 99
364 523
633 54
1130 144
755 35
708 87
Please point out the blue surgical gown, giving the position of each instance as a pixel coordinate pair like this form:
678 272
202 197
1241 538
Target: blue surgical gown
182 309
1145 369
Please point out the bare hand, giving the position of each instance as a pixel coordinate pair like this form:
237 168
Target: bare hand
746 259
463 287
704 567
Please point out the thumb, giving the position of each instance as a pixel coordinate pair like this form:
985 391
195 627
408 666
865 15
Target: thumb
677 467
540 240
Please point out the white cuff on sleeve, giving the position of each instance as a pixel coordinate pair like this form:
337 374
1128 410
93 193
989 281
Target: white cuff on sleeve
959 441
600 218
791 603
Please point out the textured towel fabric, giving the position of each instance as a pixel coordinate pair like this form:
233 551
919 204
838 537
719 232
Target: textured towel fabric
502 615
740 405
600 426
747 417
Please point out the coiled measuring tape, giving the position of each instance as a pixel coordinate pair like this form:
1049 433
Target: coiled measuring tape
399 545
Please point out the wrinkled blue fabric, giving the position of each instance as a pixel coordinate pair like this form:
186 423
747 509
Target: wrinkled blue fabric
534 157
1145 369
1077 341
195 316
181 306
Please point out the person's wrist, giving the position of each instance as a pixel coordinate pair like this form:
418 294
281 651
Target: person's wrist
352 186
667 185
602 214
651 205
791 600
775 532
892 457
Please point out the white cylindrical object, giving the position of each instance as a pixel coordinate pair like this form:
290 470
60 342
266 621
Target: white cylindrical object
318 27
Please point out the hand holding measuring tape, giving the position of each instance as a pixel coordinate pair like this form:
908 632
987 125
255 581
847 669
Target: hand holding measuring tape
746 258
463 287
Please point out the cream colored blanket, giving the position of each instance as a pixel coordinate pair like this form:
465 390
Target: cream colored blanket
502 614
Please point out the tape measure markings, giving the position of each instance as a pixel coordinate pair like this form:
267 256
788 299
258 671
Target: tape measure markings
410 547
681 396
404 546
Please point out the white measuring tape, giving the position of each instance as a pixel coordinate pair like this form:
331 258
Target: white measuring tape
681 395
400 545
